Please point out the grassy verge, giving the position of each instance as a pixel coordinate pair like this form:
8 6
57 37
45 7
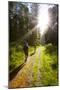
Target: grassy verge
49 65
45 69
17 57
35 72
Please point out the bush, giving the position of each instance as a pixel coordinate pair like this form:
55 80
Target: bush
50 49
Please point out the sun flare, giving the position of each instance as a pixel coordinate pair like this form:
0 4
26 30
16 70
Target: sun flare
43 18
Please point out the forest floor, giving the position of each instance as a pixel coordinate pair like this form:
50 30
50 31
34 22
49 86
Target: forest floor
40 69
24 77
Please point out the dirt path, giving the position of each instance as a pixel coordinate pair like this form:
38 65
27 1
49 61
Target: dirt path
26 77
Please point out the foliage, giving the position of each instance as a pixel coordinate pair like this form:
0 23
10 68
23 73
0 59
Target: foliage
49 66
17 57
20 23
51 33
45 64
21 27
51 36
18 20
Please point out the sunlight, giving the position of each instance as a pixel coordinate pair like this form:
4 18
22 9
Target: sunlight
43 18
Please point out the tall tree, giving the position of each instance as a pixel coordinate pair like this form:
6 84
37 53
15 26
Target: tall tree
51 35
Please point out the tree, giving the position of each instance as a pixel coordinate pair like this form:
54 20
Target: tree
51 35
18 20
22 21
33 39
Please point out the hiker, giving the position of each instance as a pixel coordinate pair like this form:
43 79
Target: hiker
25 48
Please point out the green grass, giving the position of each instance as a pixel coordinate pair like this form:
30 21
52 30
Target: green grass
48 68
49 65
17 57
31 50
35 71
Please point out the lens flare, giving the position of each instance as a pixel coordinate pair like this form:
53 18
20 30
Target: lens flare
43 18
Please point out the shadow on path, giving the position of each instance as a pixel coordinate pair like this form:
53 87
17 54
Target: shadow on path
13 73
32 53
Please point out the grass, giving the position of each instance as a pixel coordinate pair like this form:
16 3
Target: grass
31 50
17 57
47 68
35 72
49 65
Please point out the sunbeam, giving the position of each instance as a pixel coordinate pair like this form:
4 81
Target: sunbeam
43 18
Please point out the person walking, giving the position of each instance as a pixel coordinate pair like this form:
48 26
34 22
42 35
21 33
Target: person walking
25 49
